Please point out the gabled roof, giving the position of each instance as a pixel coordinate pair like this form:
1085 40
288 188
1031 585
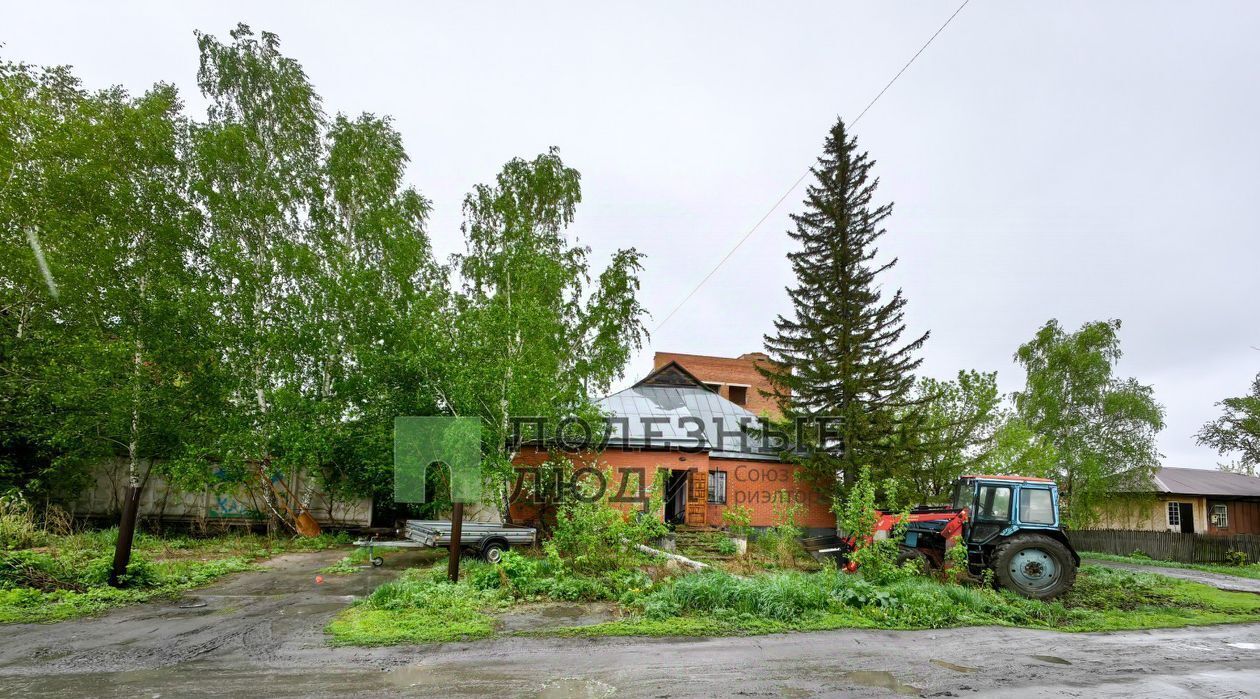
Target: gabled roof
682 413
672 374
1198 481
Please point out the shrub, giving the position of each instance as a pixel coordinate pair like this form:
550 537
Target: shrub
17 524
1236 558
726 547
876 557
38 571
593 537
738 520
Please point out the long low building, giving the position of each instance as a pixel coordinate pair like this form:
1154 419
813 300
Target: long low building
1191 501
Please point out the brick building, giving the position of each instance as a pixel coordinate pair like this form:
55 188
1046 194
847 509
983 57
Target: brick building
734 378
677 421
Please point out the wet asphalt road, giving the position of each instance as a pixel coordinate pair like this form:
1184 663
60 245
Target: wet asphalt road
260 634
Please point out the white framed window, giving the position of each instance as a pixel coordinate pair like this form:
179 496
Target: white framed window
1174 514
1220 516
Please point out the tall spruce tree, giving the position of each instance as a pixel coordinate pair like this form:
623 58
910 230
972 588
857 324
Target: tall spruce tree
840 365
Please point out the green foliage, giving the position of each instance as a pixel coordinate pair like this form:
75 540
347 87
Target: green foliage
592 536
840 355
782 540
1102 428
726 547
1237 431
254 294
1236 558
956 569
738 519
532 335
875 555
421 606
953 433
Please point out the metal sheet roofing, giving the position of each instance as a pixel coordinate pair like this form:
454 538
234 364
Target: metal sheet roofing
682 417
1198 481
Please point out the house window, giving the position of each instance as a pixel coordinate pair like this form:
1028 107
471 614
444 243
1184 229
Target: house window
739 395
1174 514
1220 516
717 487
715 387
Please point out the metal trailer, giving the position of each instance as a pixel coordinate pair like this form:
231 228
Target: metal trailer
487 540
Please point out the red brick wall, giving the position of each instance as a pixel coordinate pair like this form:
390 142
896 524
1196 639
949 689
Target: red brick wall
754 484
619 462
739 370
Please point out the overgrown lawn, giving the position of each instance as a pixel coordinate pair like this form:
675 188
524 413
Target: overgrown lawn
423 607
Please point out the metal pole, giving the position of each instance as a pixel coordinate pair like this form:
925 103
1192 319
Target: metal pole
126 533
457 527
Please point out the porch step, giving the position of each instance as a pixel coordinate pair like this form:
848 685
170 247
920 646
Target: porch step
703 542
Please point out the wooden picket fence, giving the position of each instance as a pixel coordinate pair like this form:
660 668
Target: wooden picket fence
1166 546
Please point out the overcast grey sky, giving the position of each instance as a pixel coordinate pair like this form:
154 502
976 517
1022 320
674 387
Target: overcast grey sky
1070 160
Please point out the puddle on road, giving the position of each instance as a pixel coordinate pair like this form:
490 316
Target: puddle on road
1245 646
576 688
951 666
883 680
550 616
1050 659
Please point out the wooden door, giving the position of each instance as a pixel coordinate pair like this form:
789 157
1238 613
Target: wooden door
697 494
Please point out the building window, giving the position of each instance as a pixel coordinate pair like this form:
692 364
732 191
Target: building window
1220 516
715 387
717 487
738 395
1174 514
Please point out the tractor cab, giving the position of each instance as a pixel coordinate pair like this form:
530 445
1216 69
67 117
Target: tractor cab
1003 504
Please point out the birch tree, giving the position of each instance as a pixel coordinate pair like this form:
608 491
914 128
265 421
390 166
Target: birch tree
1102 428
258 165
532 336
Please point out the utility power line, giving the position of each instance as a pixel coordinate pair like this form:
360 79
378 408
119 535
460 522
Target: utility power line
801 179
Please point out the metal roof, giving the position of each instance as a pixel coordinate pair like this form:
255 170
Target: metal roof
1199 481
682 417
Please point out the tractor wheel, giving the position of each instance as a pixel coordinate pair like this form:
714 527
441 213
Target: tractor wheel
1034 565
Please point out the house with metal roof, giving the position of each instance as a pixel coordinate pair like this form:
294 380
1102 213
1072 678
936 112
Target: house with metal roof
715 453
1192 501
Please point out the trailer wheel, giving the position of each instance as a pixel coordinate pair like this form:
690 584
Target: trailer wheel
1034 565
492 552
377 562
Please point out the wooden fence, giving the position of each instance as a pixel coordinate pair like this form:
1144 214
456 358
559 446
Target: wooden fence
1166 546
